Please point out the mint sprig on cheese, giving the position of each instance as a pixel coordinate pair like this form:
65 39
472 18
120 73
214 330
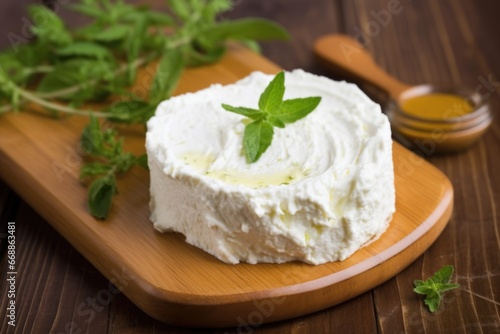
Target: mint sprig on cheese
273 112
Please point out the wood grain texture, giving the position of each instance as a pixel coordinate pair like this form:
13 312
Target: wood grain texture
447 41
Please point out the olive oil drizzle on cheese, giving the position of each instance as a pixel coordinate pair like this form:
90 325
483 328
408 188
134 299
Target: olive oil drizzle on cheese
202 164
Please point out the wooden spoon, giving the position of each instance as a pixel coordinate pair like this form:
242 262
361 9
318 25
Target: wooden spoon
344 54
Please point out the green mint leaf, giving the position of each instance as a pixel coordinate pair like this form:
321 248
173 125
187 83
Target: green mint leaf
143 161
12 67
434 288
272 97
8 89
433 300
29 55
120 10
93 169
448 286
295 109
100 195
418 283
87 9
48 27
85 49
215 7
111 34
422 290
75 72
5 85
131 112
180 8
126 159
274 121
256 139
248 112
92 137
443 275
159 19
196 57
243 29
167 76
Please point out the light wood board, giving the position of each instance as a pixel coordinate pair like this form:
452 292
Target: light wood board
180 284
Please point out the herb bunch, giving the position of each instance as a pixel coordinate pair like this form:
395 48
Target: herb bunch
63 70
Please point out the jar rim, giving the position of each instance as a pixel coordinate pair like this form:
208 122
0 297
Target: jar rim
402 120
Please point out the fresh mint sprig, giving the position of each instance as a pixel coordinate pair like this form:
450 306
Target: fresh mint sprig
273 112
63 69
434 287
108 159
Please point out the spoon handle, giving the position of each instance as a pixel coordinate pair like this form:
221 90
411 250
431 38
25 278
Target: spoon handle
344 54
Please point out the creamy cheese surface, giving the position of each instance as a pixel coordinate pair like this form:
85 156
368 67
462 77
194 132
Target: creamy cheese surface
323 189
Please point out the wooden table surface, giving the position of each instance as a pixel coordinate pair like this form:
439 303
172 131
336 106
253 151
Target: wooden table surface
418 42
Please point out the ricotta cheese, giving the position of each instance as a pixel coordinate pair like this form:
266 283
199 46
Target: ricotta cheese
323 189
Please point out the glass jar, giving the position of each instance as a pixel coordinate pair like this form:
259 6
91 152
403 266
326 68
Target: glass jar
436 136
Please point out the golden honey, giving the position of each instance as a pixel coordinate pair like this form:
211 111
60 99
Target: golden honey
437 106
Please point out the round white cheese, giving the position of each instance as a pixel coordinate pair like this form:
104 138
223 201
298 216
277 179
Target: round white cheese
323 189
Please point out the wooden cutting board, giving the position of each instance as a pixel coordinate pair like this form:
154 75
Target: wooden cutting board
180 284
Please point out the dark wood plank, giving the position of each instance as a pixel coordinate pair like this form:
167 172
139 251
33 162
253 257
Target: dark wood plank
304 22
427 41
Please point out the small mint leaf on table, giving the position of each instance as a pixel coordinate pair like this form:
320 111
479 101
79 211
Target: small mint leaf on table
273 112
443 275
433 288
